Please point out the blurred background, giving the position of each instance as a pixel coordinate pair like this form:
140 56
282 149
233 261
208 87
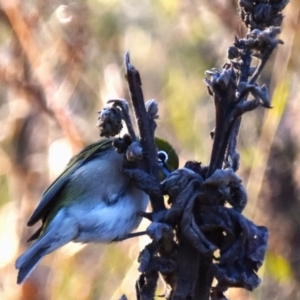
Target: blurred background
60 61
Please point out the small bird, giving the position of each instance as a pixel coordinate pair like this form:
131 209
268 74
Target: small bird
91 201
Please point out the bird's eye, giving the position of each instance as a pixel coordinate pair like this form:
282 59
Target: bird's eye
162 156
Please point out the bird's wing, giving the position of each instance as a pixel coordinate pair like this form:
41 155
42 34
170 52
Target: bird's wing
48 197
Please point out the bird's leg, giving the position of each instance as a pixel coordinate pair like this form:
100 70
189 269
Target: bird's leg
129 236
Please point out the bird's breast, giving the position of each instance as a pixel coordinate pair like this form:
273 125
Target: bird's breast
105 203
106 222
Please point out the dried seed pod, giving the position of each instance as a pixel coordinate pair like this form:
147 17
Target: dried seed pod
110 121
152 108
134 151
233 52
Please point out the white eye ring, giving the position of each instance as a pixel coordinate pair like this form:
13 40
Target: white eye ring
166 156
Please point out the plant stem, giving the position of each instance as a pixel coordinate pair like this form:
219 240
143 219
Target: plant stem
146 136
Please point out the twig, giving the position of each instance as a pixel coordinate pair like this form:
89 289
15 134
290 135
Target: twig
146 136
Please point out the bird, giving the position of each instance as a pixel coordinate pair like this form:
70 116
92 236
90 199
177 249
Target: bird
92 201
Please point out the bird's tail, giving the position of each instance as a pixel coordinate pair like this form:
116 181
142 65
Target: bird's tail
28 260
49 241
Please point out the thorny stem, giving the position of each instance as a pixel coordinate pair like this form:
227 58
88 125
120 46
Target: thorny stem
261 65
188 268
258 71
246 58
232 142
222 133
226 132
205 278
246 65
146 136
228 125
245 68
